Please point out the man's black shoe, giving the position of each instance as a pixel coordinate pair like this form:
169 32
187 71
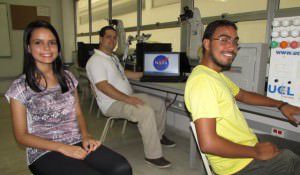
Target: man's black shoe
166 142
159 162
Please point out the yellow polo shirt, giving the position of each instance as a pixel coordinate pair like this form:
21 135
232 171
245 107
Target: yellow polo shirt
209 94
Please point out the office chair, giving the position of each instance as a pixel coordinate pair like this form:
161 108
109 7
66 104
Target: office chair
109 120
203 156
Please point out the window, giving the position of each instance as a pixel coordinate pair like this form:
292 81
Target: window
126 10
289 3
82 16
99 14
170 35
218 7
84 39
247 30
159 3
161 11
155 11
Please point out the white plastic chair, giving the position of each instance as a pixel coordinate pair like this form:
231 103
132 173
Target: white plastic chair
203 156
83 81
93 100
109 120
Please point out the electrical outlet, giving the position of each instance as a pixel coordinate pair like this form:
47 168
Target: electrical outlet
278 132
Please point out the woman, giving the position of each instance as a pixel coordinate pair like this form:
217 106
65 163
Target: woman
46 114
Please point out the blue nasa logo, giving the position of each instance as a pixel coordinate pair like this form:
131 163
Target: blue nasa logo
161 62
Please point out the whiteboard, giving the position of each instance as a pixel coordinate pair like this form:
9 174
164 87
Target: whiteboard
4 32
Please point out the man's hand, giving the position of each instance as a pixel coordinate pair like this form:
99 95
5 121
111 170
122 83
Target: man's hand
266 151
133 75
134 101
289 111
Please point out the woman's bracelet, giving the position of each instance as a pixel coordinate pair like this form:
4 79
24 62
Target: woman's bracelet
281 105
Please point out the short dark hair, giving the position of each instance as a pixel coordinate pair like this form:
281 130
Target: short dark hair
104 29
212 27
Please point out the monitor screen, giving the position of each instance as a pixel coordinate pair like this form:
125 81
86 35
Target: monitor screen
161 64
85 51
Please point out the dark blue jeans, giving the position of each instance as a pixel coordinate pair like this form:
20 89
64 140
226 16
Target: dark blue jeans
102 161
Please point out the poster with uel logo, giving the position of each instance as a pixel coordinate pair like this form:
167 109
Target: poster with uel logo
284 70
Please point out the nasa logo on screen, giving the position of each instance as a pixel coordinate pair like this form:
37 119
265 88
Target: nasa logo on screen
161 62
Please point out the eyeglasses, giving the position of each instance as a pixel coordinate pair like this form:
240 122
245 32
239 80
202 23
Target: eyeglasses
223 40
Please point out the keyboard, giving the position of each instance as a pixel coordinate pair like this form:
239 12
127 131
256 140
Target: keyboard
163 79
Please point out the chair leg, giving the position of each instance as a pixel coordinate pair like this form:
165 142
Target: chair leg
92 105
82 95
112 123
108 124
124 127
104 132
86 92
98 113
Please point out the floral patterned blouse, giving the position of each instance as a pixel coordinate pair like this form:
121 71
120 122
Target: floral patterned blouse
50 115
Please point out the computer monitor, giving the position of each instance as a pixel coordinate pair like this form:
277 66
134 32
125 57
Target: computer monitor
161 63
185 66
142 48
85 51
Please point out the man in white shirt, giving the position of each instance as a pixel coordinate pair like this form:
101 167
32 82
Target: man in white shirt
117 99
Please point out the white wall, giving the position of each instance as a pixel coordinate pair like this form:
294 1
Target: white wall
12 66
68 29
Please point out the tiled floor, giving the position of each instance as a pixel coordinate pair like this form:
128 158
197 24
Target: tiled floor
13 160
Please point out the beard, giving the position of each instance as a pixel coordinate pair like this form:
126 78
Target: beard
223 66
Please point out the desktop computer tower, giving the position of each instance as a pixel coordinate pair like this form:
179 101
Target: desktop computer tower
84 52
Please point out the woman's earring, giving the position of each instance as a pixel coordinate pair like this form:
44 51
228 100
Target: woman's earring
28 48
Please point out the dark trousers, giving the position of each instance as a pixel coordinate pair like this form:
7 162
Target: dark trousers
285 163
102 161
281 143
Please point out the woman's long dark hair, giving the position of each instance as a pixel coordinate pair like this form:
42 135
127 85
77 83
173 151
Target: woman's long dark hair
33 74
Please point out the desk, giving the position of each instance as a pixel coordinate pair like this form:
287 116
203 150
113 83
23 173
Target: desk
260 119
267 116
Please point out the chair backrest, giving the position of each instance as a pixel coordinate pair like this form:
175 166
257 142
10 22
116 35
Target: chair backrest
93 90
203 156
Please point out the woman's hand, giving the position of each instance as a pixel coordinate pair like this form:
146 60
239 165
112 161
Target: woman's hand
90 144
75 152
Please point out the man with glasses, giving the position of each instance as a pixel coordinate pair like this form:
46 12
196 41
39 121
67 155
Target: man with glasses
117 99
223 133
